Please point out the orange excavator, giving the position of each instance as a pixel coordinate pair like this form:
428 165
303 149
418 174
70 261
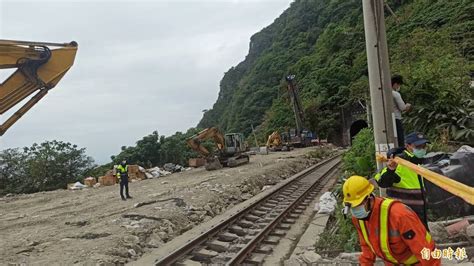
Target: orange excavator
230 148
39 68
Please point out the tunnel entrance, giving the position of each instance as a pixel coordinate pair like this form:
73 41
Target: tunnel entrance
356 127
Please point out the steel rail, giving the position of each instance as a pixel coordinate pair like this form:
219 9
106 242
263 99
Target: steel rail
185 249
254 243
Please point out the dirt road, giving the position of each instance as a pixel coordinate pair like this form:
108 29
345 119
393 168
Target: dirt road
94 226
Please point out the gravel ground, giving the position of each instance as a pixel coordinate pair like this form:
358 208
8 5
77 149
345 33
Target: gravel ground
93 225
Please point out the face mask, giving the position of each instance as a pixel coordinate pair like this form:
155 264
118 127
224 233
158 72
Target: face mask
419 153
359 212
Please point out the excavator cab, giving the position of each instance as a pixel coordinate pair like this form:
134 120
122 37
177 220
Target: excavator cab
234 143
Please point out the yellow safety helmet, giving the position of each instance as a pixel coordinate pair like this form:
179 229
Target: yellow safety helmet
356 189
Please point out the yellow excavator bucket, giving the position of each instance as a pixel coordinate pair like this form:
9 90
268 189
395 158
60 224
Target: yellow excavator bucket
39 67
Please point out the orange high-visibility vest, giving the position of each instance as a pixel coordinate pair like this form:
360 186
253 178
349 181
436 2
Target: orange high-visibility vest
385 235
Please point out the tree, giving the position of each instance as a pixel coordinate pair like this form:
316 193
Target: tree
42 167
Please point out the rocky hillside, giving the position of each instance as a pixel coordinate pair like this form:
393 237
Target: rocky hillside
322 43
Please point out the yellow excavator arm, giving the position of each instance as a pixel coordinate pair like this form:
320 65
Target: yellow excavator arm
38 69
213 133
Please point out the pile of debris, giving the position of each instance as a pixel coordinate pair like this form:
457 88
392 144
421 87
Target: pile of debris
453 233
135 173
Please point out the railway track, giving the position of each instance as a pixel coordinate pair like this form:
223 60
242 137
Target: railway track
250 234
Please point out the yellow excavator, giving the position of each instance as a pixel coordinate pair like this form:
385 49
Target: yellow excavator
39 68
276 143
230 148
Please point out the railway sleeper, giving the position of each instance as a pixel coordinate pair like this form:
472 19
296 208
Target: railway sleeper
269 205
237 230
236 248
297 211
245 224
262 225
252 218
253 232
263 209
188 262
301 207
227 237
278 232
247 239
264 249
272 201
218 246
258 213
272 240
204 255
284 226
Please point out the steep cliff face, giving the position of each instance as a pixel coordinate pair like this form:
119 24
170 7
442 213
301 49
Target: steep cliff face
322 43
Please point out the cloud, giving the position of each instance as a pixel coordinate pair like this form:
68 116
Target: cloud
141 65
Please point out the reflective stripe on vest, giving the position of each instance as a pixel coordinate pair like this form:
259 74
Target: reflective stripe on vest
383 237
408 178
122 169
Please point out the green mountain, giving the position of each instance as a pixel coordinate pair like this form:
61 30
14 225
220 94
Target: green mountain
322 42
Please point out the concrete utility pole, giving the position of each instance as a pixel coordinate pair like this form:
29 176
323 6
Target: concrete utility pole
379 76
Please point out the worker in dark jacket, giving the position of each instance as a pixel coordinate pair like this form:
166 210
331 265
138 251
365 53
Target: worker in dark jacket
122 175
402 183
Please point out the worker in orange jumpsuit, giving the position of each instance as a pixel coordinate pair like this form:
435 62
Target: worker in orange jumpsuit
387 228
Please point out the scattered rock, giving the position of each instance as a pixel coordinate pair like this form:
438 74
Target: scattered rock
26 250
293 261
470 230
310 257
155 241
209 210
163 236
438 232
131 239
78 223
457 228
350 256
120 252
33 243
246 196
92 235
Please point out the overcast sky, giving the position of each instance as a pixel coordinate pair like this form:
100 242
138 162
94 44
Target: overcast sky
141 65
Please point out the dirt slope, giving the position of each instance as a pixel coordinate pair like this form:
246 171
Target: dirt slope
93 225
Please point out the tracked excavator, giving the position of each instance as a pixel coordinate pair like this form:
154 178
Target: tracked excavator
275 142
299 136
38 67
230 148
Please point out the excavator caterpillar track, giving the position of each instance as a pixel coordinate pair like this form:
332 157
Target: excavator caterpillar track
238 160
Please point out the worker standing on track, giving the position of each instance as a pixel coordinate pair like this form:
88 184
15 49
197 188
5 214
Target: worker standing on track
403 183
399 106
122 175
387 228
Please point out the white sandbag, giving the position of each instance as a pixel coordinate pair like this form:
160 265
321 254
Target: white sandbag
327 203
466 148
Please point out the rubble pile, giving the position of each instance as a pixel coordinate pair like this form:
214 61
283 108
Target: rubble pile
135 173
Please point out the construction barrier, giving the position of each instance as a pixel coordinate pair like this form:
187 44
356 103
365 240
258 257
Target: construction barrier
454 187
